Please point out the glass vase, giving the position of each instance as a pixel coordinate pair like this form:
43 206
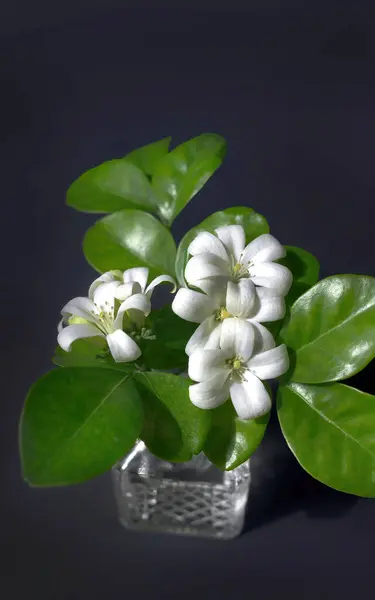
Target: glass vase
192 498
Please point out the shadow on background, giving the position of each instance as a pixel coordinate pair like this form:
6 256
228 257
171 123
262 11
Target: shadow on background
279 485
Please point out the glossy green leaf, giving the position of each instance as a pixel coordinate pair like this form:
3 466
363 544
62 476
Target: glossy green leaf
76 423
147 157
171 329
111 186
230 440
305 268
331 329
174 429
253 223
184 171
130 238
90 352
169 336
331 430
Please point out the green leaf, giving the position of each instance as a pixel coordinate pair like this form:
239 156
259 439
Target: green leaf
305 268
253 223
184 171
130 238
231 441
331 431
111 186
171 329
331 329
90 352
171 334
147 157
174 429
76 423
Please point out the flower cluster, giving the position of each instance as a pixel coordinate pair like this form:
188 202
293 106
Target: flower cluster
117 306
237 287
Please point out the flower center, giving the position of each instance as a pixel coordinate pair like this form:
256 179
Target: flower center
222 314
106 316
237 367
240 270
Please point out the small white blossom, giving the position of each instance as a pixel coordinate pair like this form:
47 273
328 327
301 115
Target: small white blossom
117 302
235 299
236 370
131 281
224 257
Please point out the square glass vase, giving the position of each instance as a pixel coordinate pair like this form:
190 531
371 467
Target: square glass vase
193 498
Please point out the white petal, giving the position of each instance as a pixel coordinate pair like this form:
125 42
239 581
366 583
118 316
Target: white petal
122 347
193 306
71 333
157 281
217 291
207 335
139 302
206 265
270 364
60 326
204 364
250 398
105 278
268 307
125 290
264 248
138 275
233 238
80 307
237 338
264 339
241 298
210 393
214 287
207 242
104 295
271 275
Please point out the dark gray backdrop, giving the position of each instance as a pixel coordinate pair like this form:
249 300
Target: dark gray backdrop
292 88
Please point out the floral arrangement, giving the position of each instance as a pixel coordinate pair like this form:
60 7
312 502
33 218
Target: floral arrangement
192 376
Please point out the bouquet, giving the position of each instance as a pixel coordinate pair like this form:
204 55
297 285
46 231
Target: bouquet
193 376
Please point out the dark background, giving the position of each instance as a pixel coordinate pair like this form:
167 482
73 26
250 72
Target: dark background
292 88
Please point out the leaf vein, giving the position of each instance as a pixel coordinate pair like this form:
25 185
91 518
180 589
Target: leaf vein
71 438
325 418
352 316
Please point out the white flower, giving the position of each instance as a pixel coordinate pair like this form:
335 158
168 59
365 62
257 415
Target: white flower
113 305
237 370
224 257
131 281
235 299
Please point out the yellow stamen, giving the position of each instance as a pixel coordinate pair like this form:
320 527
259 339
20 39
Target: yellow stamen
237 267
224 314
236 364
